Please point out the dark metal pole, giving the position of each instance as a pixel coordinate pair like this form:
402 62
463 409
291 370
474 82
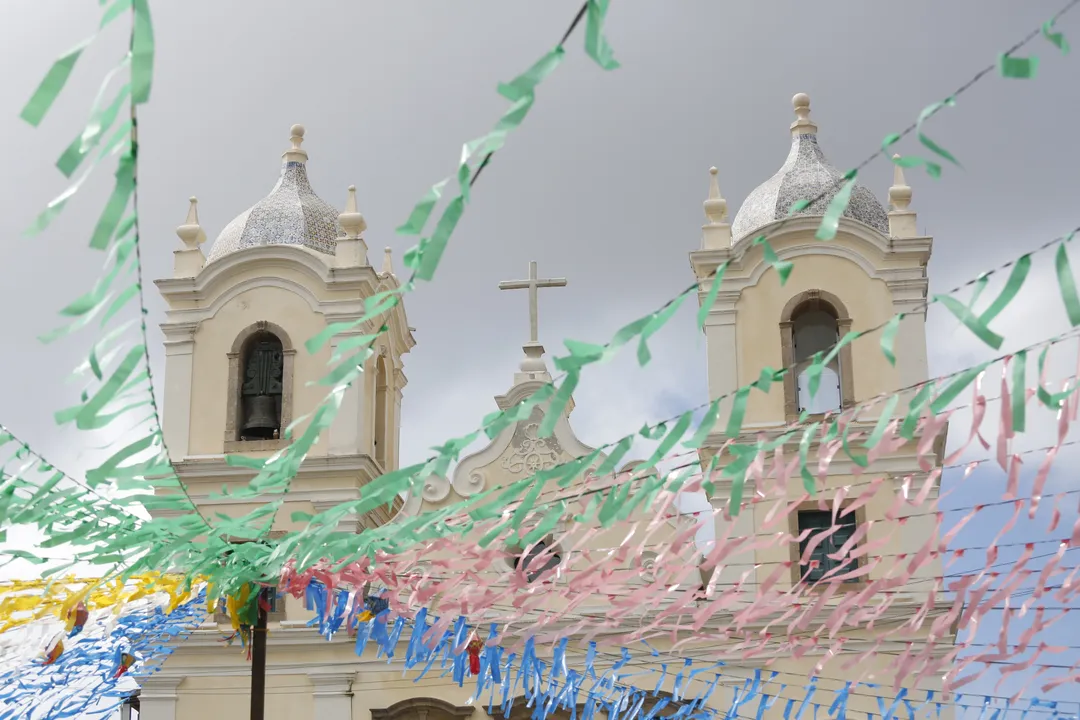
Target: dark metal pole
258 661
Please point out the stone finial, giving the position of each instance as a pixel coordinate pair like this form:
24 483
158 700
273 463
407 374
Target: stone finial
188 262
191 233
900 192
296 153
803 125
715 205
387 262
716 232
352 222
902 219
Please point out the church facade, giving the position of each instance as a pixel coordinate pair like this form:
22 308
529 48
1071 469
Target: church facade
237 376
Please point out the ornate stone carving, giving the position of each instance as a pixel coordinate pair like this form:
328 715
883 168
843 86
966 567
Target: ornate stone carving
435 489
648 566
531 453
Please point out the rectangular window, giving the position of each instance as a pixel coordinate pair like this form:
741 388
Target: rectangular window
818 521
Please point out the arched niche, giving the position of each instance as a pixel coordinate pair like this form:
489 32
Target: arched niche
248 341
423 709
808 318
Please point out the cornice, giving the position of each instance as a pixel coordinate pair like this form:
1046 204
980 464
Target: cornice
215 468
881 248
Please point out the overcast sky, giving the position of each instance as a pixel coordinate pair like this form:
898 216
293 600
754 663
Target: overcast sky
603 184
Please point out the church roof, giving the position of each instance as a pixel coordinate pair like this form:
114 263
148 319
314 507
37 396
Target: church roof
803 176
292 214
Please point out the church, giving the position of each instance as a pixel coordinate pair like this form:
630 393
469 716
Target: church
237 375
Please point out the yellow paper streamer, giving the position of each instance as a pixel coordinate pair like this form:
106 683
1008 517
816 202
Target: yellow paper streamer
24 601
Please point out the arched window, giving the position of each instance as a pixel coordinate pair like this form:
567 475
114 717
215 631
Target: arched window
538 559
263 364
260 388
815 331
812 323
422 709
382 417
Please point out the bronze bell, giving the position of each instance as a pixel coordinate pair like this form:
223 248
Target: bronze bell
261 416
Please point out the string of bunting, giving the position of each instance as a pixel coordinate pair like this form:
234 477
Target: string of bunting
423 263
498 135
87 669
120 237
462 201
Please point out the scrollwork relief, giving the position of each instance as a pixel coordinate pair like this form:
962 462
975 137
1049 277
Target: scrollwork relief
531 453
435 488
648 566
470 482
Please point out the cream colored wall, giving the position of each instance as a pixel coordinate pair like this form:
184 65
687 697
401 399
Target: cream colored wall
288 697
213 341
759 311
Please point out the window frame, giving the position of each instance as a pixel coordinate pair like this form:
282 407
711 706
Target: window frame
233 403
797 571
803 302
519 554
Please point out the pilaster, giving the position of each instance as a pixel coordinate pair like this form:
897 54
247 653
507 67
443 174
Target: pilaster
179 358
332 693
346 436
157 697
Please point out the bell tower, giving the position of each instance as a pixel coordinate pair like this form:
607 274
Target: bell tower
237 373
872 269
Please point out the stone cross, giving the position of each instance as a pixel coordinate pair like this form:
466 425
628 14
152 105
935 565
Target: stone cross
532 285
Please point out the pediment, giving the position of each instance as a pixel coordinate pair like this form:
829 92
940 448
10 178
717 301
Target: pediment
515 453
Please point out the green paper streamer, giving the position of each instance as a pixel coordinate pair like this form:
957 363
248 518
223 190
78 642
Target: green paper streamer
782 267
114 11
736 470
888 338
1012 288
118 201
87 416
708 422
422 210
1019 391
673 436
656 321
862 460
710 298
738 410
1058 39
1020 68
1067 285
611 462
955 387
798 206
971 322
525 84
596 45
558 404
930 144
433 252
915 409
1053 401
53 83
142 53
100 121
831 222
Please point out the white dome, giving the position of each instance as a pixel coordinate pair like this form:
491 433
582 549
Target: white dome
292 214
804 175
